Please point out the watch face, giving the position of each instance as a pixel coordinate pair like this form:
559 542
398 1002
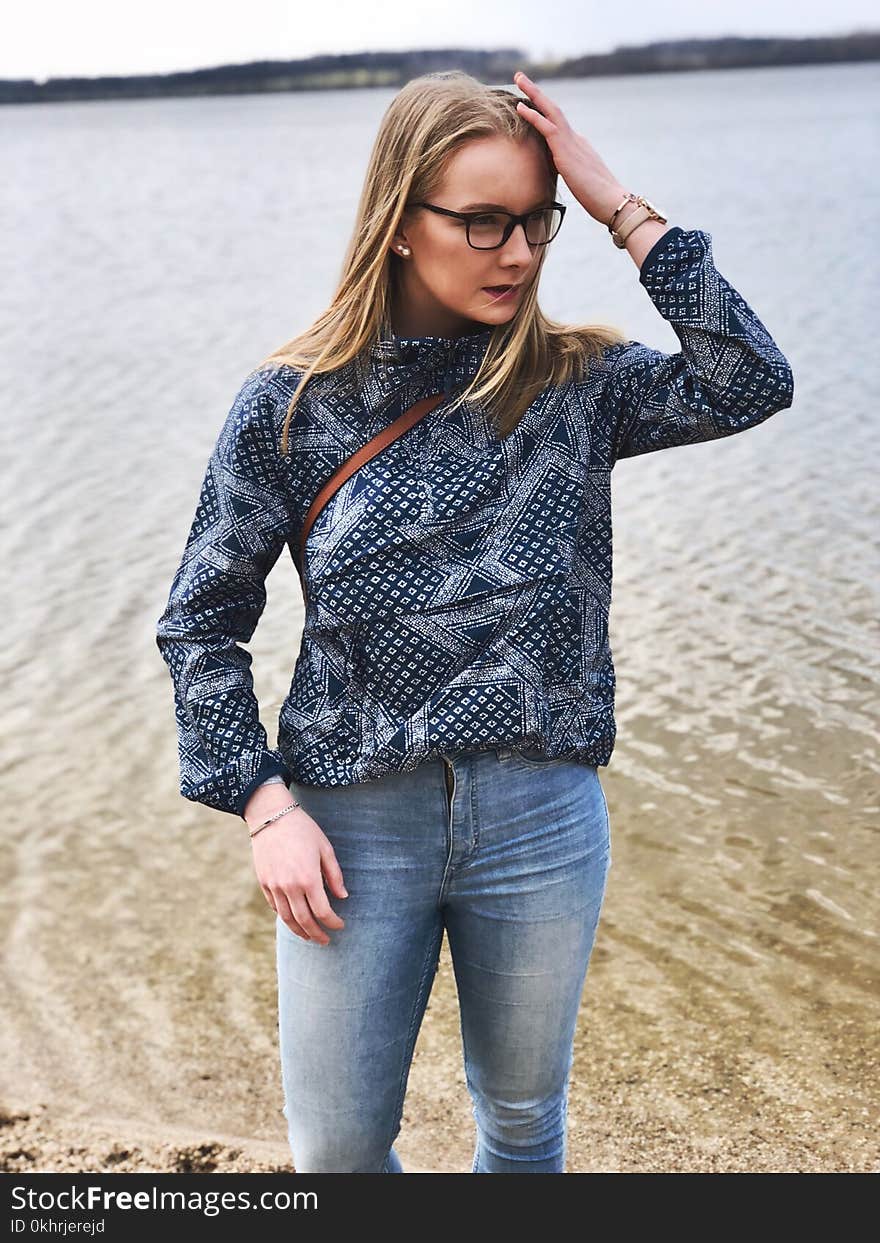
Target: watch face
652 208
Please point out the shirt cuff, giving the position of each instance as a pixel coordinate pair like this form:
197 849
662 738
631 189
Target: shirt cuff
662 241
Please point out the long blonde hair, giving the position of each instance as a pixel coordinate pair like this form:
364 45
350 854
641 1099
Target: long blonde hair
423 126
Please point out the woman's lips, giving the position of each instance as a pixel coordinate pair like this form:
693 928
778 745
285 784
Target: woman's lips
499 292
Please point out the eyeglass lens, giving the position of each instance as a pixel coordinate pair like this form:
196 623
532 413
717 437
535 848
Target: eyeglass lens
486 231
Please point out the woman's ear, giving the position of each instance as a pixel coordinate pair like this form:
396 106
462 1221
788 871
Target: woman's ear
401 243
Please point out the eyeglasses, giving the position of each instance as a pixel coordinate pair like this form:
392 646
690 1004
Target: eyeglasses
489 230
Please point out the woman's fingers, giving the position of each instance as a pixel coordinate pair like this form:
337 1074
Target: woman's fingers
282 908
332 871
300 899
303 915
543 102
540 123
320 906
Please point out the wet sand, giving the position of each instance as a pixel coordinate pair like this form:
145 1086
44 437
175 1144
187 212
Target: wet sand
638 1103
688 1055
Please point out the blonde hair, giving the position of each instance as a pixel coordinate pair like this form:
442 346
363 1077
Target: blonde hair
423 126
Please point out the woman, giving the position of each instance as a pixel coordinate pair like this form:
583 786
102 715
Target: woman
453 697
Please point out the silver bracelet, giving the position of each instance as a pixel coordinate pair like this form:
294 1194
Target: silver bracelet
277 816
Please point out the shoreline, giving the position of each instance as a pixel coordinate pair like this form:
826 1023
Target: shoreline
390 70
33 1140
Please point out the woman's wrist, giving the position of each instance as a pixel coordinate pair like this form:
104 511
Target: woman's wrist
644 235
607 202
265 801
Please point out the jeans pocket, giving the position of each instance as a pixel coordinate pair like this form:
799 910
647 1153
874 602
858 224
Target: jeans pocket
530 757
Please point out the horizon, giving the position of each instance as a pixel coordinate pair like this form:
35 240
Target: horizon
51 40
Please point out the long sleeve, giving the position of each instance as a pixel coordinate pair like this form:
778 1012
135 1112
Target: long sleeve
729 374
218 594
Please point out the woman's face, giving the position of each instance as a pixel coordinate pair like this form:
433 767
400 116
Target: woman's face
443 282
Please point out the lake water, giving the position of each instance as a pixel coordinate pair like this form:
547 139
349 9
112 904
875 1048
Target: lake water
152 253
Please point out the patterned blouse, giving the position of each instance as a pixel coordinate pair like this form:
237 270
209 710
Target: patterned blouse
459 584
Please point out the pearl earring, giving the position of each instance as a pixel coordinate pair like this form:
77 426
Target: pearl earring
404 250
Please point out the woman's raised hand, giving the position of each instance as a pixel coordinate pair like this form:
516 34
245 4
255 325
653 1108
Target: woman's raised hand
590 180
293 858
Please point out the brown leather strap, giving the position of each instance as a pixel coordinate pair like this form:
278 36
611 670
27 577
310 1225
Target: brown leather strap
395 428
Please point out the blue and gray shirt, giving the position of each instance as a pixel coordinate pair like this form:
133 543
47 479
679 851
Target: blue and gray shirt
459 584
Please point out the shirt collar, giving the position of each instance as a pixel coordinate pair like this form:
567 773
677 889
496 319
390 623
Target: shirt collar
447 361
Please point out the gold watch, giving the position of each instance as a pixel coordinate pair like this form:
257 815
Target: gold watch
645 211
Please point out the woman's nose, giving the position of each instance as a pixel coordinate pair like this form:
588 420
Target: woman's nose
517 244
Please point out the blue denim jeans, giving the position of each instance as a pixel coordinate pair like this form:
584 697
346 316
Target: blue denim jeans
511 858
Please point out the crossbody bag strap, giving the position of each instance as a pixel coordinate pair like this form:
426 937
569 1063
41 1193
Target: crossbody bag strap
375 445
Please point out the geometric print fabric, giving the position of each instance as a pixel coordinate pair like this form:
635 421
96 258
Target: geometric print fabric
459 585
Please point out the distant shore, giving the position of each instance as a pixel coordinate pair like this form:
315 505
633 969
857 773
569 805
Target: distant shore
393 69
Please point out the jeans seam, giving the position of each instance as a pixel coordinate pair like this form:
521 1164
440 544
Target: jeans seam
450 836
607 820
431 958
475 812
529 761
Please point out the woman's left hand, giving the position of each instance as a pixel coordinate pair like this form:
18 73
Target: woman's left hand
590 180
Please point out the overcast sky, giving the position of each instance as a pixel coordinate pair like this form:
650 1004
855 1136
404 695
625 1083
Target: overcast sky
51 38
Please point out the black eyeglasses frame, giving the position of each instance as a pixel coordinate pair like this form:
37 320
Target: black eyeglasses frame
513 221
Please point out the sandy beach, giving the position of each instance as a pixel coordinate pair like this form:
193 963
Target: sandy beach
679 1067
